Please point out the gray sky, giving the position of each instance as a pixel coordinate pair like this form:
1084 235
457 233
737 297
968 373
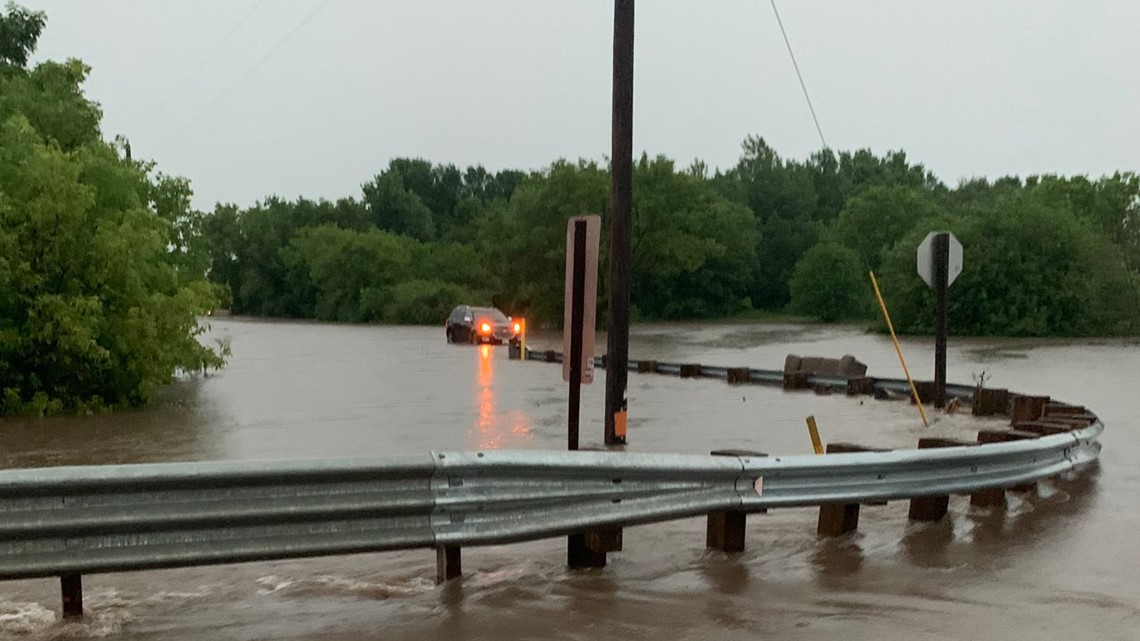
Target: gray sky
969 88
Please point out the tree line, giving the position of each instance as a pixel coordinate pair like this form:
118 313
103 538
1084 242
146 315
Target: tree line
1045 255
105 267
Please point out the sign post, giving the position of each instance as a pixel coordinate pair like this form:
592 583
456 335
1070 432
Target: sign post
939 261
583 235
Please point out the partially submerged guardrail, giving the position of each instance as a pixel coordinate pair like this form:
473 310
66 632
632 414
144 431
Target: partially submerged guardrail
71 521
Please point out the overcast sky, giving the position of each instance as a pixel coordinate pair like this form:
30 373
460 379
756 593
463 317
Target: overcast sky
249 98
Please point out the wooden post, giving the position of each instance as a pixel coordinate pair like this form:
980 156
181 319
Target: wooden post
725 529
71 589
996 496
690 370
579 555
646 367
448 563
621 220
932 508
739 375
604 539
988 402
837 519
1027 408
860 385
796 380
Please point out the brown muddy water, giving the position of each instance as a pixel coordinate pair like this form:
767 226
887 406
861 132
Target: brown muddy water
1060 564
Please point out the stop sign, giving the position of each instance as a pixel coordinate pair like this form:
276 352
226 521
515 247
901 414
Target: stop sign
926 259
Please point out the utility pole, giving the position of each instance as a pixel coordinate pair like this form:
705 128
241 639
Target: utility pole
621 206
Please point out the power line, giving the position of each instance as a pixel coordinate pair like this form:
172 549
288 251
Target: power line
798 74
248 73
209 56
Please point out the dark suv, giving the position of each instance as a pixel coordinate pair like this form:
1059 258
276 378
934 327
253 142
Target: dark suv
475 325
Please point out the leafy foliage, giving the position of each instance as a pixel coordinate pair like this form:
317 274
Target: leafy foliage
101 280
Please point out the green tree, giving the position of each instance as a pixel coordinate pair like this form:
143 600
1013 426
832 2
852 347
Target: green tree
876 218
20 30
830 284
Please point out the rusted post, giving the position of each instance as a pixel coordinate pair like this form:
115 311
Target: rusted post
996 496
725 529
738 375
690 370
1027 408
860 385
837 519
448 563
796 380
71 589
646 367
988 402
932 508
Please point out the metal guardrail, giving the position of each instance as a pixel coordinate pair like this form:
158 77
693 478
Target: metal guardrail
79 520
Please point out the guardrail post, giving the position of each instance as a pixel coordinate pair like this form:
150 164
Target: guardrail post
551 356
990 401
796 380
860 385
932 508
690 370
580 556
646 367
71 589
448 563
837 519
725 529
1027 408
739 375
996 496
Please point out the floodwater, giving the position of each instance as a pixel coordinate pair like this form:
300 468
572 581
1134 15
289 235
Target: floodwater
1058 564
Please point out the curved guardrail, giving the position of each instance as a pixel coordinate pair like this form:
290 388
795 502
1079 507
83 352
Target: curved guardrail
78 520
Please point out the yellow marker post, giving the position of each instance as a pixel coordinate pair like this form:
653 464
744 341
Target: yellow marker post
898 348
522 338
816 444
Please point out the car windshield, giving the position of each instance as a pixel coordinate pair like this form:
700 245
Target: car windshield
489 312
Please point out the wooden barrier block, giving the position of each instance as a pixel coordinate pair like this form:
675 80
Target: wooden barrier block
1041 428
1054 409
579 555
646 367
823 389
725 531
737 375
796 380
448 563
1027 408
690 370
988 402
925 392
932 508
551 356
860 386
71 591
996 496
604 539
837 519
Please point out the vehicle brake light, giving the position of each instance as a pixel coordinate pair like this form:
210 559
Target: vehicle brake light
485 328
518 328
